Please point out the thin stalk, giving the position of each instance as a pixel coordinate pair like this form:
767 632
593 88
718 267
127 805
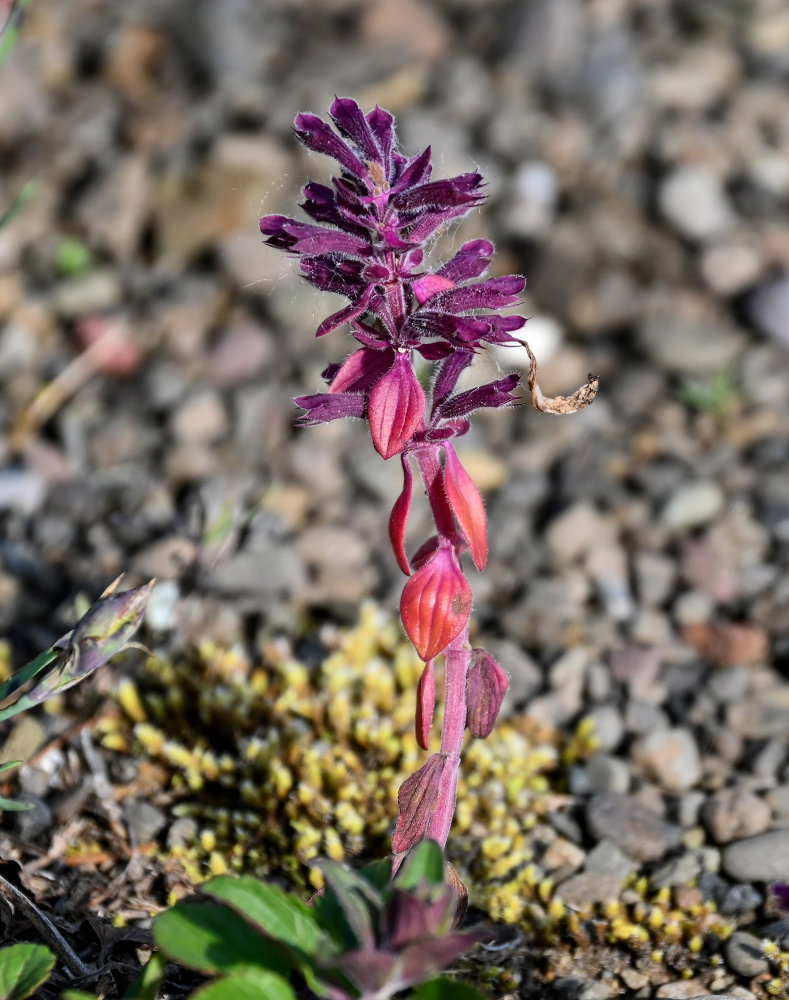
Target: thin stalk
433 477
457 657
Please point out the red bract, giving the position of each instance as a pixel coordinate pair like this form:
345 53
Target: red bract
396 407
467 506
436 604
399 517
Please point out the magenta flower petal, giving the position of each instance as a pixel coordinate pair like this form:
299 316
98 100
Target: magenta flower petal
399 517
425 705
325 406
351 122
362 370
316 135
471 260
495 394
436 604
467 506
486 685
429 285
396 407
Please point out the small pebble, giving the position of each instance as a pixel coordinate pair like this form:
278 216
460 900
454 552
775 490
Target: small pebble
763 858
671 757
745 954
735 813
636 830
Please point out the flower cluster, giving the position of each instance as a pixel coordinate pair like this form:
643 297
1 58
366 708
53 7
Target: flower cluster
367 242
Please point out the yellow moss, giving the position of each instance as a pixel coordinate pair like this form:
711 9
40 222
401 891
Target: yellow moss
130 701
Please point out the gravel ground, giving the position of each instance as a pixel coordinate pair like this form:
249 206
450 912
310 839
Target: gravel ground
637 158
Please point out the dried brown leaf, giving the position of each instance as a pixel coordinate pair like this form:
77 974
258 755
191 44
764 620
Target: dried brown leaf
559 404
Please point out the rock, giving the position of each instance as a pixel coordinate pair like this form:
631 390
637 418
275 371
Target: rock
735 900
573 533
587 888
655 577
692 505
699 76
768 307
606 858
609 727
93 292
763 858
670 756
607 566
694 201
608 774
200 419
636 830
729 645
243 352
562 854
678 872
167 559
730 267
745 954
144 820
690 346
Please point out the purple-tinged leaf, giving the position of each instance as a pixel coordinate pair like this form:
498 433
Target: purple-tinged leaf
425 705
410 918
370 972
493 394
471 260
315 134
425 959
362 370
436 604
417 799
486 685
396 407
399 517
467 506
324 406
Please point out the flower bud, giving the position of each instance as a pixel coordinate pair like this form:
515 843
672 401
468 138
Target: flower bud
486 684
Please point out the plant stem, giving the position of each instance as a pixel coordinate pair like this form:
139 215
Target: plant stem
456 657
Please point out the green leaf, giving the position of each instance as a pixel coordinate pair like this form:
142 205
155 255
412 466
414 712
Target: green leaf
346 910
442 988
247 984
73 257
424 863
146 986
22 676
276 914
10 805
213 939
78 995
23 968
